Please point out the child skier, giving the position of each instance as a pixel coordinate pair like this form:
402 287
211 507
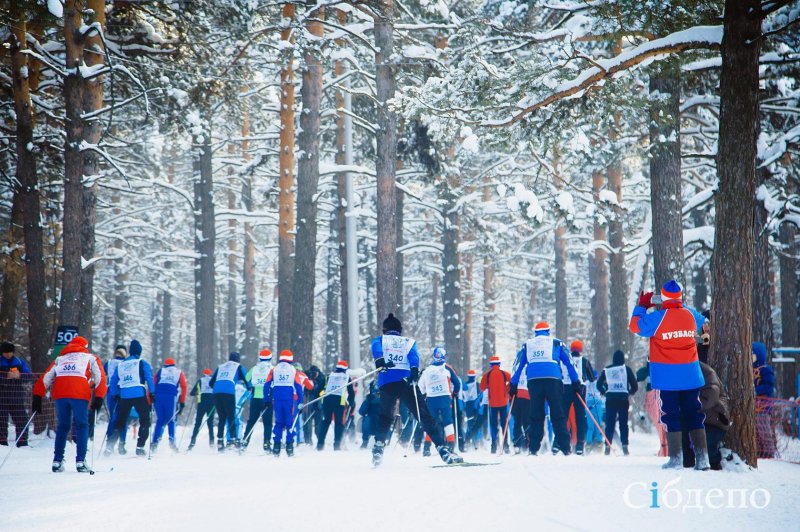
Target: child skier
169 380
439 383
495 382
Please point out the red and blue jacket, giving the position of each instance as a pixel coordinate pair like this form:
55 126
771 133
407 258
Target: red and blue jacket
673 351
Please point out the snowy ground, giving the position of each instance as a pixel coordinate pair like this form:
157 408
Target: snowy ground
332 492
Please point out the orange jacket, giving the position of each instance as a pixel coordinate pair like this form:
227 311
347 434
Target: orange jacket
74 374
497 382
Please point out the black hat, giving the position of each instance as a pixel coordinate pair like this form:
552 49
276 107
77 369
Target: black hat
618 358
392 324
6 347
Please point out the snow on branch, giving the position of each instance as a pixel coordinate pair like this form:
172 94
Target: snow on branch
698 37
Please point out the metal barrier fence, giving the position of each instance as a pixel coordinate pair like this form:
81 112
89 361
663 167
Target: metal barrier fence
777 432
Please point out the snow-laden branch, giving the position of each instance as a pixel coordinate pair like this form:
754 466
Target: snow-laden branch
698 37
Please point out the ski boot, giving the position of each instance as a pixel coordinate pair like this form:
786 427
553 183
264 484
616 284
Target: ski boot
675 451
448 457
81 467
579 448
426 449
377 453
494 447
153 447
364 444
289 449
58 466
191 444
276 449
625 450
698 437
267 447
211 441
320 445
607 451
121 448
173 446
140 451
506 450
221 446
109 450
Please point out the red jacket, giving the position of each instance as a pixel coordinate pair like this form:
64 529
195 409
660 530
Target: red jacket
497 381
74 374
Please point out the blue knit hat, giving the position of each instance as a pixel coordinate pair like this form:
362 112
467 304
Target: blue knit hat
135 349
234 357
671 290
439 355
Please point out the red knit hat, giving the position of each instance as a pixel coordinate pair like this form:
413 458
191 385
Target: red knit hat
471 373
342 364
286 356
542 326
494 360
265 354
79 344
169 362
576 345
206 371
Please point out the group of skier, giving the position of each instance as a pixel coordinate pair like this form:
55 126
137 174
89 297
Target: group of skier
549 379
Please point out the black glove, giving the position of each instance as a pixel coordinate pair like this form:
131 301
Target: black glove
576 387
180 408
414 375
97 403
383 363
512 390
36 405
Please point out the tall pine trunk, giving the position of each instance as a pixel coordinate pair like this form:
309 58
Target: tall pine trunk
341 197
665 173
386 138
451 293
618 277
488 291
250 344
598 280
286 186
762 287
731 310
70 305
233 273
560 253
305 258
204 242
13 269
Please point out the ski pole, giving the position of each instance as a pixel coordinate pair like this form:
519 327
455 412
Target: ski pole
410 440
596 424
19 437
352 381
189 417
505 430
249 432
455 419
416 404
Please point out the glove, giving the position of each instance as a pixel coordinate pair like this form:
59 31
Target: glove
576 387
646 299
512 390
36 405
97 403
180 408
382 363
414 375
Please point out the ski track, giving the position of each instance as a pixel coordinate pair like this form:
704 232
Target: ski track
341 491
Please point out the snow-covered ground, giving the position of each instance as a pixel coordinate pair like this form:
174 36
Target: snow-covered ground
340 491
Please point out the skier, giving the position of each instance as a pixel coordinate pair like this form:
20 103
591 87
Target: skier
223 383
14 371
521 415
285 383
71 378
306 384
169 380
674 368
495 382
205 407
369 411
333 405
539 358
260 403
110 366
617 383
764 383
596 404
130 386
586 373
440 384
472 400
313 414
398 359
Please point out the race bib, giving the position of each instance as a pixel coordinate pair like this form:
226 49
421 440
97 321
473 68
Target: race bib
617 379
540 349
128 372
113 364
396 349
205 386
260 374
337 382
283 375
72 365
170 375
227 371
437 383
523 380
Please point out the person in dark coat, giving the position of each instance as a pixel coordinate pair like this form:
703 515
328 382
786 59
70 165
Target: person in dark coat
14 372
313 414
617 382
716 408
763 374
369 411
